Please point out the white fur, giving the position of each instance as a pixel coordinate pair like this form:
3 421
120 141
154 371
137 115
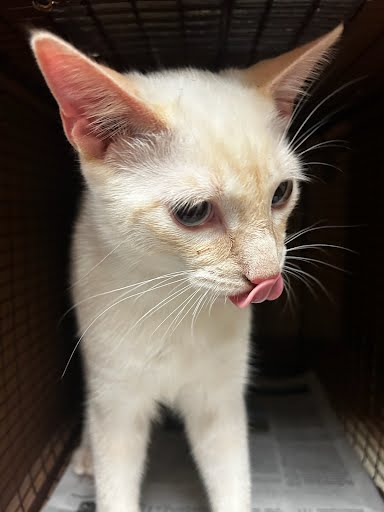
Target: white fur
155 326
200 371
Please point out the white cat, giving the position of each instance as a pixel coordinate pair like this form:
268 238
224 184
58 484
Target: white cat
190 182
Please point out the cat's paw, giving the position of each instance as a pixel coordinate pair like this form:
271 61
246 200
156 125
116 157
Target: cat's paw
82 463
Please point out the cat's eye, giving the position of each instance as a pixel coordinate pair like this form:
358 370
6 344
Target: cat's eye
193 215
282 193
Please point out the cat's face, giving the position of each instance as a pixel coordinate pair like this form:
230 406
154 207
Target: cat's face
191 169
213 194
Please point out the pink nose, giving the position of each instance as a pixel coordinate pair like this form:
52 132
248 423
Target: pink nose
268 289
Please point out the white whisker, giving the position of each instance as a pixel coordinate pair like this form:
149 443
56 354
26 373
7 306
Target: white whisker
290 294
129 287
87 329
320 104
160 304
326 144
324 164
122 298
291 271
197 311
316 227
97 264
310 131
291 237
320 247
171 313
175 292
316 262
298 271
173 323
214 299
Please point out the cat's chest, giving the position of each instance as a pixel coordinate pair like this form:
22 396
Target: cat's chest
186 363
159 364
166 342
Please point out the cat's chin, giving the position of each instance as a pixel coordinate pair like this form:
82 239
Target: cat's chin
270 289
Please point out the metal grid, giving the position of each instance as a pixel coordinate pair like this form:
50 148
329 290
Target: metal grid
344 341
36 428
359 398
161 33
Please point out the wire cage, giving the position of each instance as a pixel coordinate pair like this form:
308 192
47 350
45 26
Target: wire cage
340 340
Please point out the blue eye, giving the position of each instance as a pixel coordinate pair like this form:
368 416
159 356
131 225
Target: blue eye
193 215
282 193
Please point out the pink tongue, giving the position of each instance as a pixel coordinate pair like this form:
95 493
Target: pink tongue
270 289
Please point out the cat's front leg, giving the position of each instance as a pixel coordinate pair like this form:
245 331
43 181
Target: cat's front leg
119 436
82 463
217 430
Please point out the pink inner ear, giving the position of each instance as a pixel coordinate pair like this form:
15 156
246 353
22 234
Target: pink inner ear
285 92
93 107
75 82
78 132
285 107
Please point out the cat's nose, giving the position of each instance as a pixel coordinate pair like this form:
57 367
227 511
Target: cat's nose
264 289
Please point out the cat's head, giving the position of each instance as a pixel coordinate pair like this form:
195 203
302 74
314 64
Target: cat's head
191 170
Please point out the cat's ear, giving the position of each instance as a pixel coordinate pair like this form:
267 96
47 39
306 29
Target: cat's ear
284 77
96 103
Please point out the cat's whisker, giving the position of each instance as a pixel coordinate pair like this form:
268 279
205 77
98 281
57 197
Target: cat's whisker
317 262
313 129
175 292
160 347
97 264
129 239
160 305
309 133
197 310
289 293
87 329
197 304
171 313
288 288
177 308
129 287
316 227
299 105
207 302
302 231
291 271
313 227
320 104
320 246
162 341
157 286
195 307
214 299
333 143
315 280
122 298
175 322
324 164
191 308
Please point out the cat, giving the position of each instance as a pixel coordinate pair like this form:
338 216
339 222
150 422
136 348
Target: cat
190 180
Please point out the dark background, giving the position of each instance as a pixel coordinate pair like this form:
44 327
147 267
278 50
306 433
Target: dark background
39 186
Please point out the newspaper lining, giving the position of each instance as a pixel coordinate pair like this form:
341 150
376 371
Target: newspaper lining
301 462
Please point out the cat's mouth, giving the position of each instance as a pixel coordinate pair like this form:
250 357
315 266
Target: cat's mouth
269 289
